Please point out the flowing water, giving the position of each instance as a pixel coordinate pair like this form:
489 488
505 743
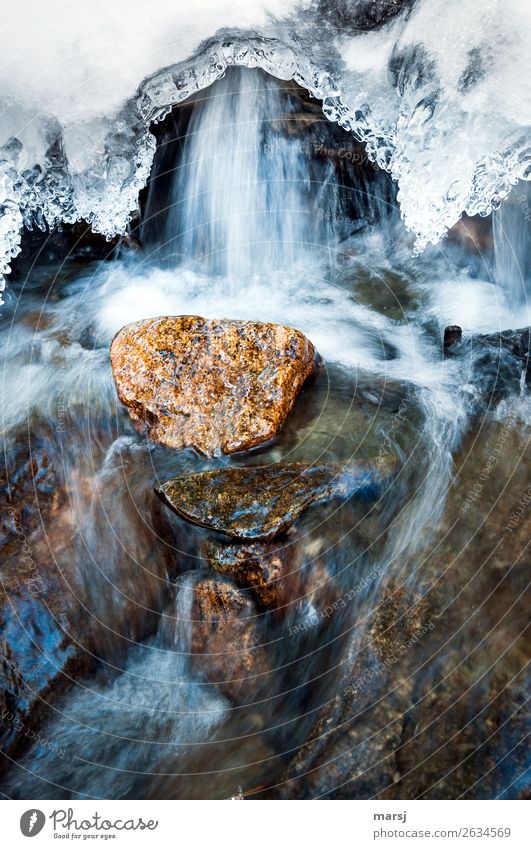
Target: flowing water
242 198
511 244
243 220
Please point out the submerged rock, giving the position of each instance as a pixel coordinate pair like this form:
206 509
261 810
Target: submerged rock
279 577
514 342
30 492
219 386
260 502
37 614
351 751
258 567
225 633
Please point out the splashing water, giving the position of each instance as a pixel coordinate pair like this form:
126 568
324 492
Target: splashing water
240 200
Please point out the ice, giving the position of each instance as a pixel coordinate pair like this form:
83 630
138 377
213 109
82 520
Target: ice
436 89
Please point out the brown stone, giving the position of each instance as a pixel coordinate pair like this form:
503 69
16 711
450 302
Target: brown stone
262 568
225 633
219 386
277 576
55 620
261 502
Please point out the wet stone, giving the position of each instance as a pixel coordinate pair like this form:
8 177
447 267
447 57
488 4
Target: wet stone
219 386
37 615
516 342
262 568
55 620
452 336
261 502
279 577
508 343
226 635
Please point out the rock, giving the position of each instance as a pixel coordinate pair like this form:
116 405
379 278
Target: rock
40 621
473 237
496 363
260 502
219 386
226 634
414 715
452 335
259 567
40 625
517 342
57 617
514 342
353 16
351 750
30 492
280 577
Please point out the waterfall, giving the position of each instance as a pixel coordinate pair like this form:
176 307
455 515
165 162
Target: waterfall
400 78
242 201
512 244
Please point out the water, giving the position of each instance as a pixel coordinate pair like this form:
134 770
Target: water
512 246
254 227
114 729
240 199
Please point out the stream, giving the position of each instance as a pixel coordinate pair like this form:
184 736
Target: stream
395 665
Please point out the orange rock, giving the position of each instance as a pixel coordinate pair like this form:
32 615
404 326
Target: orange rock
219 386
